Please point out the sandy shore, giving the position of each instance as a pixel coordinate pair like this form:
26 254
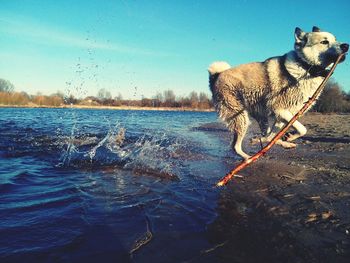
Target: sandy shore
107 107
292 205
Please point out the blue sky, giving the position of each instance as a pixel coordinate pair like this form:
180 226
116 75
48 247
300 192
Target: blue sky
137 48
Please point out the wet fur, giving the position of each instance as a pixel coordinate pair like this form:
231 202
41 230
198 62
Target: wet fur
276 88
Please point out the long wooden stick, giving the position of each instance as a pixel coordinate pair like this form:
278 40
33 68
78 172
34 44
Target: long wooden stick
279 135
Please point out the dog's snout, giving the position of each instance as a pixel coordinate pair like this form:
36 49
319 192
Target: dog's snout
344 47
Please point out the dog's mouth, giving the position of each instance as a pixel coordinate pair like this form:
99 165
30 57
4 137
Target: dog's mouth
340 61
343 58
330 59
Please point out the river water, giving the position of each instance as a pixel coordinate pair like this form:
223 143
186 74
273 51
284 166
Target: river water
109 186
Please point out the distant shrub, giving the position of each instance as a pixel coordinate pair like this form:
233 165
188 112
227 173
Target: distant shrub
333 99
14 98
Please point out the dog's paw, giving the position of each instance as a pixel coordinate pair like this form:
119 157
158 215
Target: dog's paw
287 136
291 137
258 140
287 145
255 140
246 157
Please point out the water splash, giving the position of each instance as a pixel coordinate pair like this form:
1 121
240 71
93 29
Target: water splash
70 150
112 141
153 155
147 154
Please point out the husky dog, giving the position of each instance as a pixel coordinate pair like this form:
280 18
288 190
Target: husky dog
276 88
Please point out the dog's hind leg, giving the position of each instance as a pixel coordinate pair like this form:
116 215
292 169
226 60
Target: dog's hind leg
238 124
231 109
265 130
264 125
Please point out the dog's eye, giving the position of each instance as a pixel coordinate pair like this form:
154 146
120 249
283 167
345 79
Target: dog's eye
325 42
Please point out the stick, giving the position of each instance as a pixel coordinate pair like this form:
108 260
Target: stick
279 135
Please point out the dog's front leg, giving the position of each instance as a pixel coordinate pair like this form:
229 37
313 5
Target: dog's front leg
301 130
277 126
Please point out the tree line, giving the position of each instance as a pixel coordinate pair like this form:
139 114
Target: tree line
166 98
333 99
103 97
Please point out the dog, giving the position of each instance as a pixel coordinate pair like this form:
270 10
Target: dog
274 89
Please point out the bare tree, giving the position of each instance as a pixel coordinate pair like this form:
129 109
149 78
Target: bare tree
104 94
204 101
6 86
70 100
169 98
157 99
119 97
194 99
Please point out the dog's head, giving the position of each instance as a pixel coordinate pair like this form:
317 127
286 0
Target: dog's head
318 48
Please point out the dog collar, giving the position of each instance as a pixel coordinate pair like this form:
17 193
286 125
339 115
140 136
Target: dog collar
314 71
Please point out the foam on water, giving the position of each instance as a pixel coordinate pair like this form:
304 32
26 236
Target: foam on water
150 154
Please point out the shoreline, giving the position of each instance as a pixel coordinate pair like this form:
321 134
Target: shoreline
136 108
108 108
292 205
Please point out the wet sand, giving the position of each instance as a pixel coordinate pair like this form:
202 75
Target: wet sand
291 205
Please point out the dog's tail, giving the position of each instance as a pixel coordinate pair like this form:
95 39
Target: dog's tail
215 69
218 67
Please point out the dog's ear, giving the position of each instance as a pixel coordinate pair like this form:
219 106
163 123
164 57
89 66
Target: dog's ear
315 29
299 35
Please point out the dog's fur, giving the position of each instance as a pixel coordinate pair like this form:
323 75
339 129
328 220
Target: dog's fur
277 87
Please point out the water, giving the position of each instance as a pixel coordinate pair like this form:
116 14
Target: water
87 185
